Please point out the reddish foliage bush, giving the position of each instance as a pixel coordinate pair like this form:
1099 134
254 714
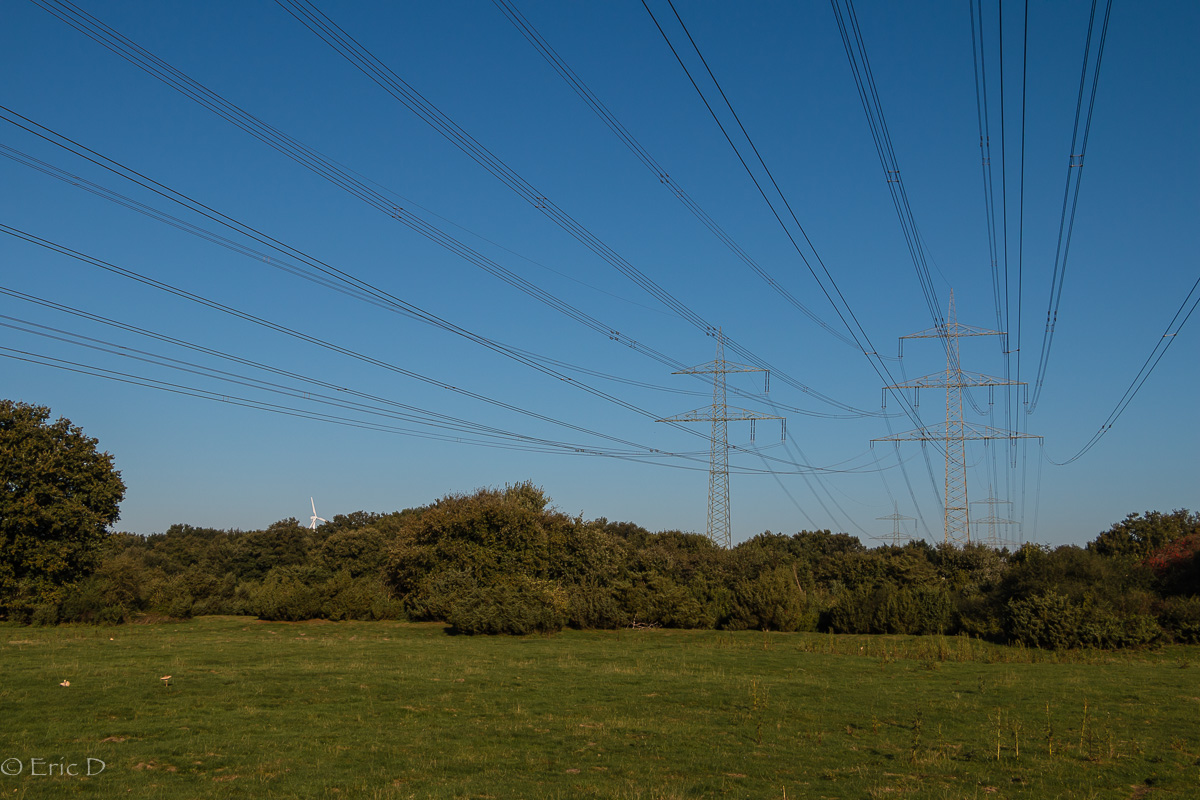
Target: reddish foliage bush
1175 554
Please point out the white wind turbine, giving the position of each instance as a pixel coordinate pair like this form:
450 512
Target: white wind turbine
314 519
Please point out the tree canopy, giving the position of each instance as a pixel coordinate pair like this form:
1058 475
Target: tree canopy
60 496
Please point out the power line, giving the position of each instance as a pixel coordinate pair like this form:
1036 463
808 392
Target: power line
286 145
314 273
531 34
1156 355
251 318
1066 223
350 49
406 411
856 331
864 79
213 305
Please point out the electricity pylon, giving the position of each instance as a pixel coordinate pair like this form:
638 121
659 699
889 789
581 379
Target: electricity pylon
991 521
720 414
896 534
954 433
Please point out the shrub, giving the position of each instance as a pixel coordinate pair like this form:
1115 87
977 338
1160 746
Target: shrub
1106 629
1047 620
513 604
921 610
772 601
659 600
978 615
359 551
358 598
45 614
433 597
283 596
1180 618
594 607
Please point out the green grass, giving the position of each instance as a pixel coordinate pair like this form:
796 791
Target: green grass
393 710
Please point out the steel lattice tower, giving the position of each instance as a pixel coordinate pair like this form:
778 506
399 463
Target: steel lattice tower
991 521
954 433
896 518
720 414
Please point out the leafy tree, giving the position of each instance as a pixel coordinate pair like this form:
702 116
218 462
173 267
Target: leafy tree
468 541
1138 535
514 604
59 496
772 601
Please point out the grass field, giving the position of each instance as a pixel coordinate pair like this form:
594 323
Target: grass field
394 710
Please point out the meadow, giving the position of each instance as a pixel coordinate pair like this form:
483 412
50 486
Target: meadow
401 710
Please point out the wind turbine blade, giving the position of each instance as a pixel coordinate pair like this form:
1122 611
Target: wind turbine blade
314 505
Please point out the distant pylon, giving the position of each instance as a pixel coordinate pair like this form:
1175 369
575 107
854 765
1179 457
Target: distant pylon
954 433
720 415
896 536
992 539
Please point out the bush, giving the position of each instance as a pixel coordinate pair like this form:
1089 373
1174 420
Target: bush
921 611
661 601
285 597
773 601
514 605
594 607
45 614
359 598
1048 620
1108 630
1180 618
433 597
853 609
978 615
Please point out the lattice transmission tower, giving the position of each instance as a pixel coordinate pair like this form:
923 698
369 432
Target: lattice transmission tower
720 414
991 521
897 537
954 433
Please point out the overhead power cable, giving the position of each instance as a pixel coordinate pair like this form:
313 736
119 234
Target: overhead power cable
1182 315
841 306
313 270
868 94
354 52
253 319
290 411
292 333
1066 222
585 93
828 285
983 119
390 407
331 171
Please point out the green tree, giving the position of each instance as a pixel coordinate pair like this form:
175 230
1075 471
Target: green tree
465 541
1138 535
60 496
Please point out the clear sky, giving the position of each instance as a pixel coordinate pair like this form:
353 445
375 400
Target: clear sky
565 390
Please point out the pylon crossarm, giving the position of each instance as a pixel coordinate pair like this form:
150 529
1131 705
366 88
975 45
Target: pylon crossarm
714 367
952 330
731 415
940 433
699 415
962 378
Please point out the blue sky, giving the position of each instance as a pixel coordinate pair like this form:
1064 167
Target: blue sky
783 67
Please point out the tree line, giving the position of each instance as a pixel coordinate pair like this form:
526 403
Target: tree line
506 561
